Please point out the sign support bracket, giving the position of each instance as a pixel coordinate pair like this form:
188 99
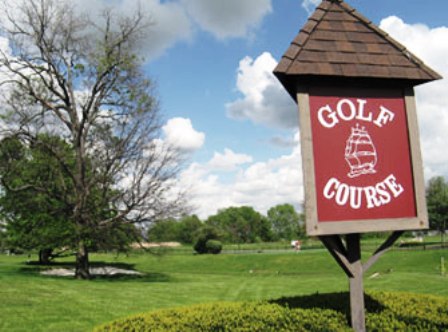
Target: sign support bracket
348 258
382 249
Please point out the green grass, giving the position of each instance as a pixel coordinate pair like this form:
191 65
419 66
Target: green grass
31 302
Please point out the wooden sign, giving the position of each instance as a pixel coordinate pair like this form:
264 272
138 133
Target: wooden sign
362 161
359 135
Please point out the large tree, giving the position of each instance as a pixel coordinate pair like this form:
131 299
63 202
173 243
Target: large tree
35 219
82 80
183 230
241 225
39 217
286 223
437 201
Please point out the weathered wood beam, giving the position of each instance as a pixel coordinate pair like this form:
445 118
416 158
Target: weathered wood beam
357 305
382 249
336 248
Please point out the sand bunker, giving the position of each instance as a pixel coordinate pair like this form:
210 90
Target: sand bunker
96 271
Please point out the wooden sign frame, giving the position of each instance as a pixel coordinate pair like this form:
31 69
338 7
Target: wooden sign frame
316 228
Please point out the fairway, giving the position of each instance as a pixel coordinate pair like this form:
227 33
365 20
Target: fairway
34 302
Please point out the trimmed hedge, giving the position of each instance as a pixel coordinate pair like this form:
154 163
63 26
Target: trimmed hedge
417 312
213 246
238 316
327 312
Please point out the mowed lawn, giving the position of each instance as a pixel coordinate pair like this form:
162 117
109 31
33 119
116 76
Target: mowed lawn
31 302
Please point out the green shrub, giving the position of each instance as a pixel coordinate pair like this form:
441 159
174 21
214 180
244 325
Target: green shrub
203 235
213 246
231 317
418 312
320 312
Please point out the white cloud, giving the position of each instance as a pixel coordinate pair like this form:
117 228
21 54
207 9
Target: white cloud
310 5
179 132
229 18
169 22
282 142
420 40
229 160
432 98
264 100
4 46
4 75
264 184
257 184
6 52
172 21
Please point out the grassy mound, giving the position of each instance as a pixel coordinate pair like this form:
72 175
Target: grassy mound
320 312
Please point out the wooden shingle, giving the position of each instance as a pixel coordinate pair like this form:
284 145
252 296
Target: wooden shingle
338 41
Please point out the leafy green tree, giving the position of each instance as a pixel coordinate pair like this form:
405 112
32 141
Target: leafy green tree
183 230
437 201
241 225
38 214
2 240
286 223
35 216
188 228
203 236
164 231
81 79
213 246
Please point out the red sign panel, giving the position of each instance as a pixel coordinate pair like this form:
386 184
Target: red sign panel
362 159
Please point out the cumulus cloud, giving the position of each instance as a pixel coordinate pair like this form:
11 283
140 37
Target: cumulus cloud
229 18
6 50
260 184
282 142
310 5
168 21
229 160
170 25
172 21
5 75
427 43
264 100
263 184
179 132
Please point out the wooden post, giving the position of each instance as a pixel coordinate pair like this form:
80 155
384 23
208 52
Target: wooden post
349 259
357 307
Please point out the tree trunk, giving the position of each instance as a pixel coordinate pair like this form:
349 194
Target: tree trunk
45 255
82 262
443 233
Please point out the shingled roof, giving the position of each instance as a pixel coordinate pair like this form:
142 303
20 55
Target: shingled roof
337 41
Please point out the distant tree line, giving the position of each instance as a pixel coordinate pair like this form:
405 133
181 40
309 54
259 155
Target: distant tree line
31 221
233 225
282 222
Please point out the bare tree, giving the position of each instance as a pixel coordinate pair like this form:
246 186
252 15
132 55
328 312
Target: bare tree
82 81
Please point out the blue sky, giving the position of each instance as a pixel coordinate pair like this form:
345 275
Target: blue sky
245 147
213 60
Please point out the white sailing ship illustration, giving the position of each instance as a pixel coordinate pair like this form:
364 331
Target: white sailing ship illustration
360 153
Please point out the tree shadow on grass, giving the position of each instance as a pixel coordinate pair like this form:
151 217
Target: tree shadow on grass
146 277
71 265
35 268
339 302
